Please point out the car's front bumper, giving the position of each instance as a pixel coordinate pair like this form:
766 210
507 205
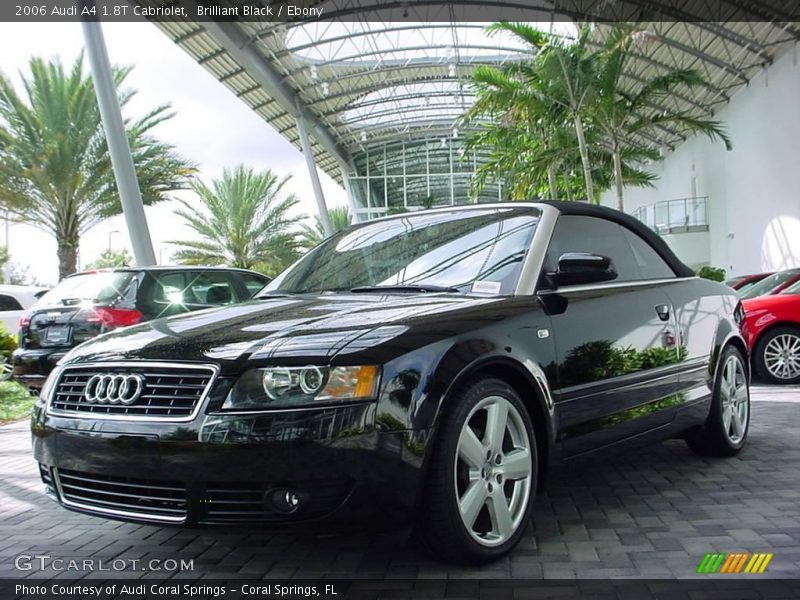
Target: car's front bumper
213 470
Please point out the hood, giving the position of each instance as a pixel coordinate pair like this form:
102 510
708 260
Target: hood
301 328
772 302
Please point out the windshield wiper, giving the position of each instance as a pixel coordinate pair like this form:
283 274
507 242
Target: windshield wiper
415 288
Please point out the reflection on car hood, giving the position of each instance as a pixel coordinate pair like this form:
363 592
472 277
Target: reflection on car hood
307 326
770 302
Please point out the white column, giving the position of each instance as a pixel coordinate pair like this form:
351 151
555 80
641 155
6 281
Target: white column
118 148
305 144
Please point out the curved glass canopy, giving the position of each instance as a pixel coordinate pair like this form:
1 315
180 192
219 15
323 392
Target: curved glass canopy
381 85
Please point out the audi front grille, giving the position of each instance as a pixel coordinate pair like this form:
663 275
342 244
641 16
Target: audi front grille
166 392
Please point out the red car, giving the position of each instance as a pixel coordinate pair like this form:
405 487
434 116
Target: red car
771 329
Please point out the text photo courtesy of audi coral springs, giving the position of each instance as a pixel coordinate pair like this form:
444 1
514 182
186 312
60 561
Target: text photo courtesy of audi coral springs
426 369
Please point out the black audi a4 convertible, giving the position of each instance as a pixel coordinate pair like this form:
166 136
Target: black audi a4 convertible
426 368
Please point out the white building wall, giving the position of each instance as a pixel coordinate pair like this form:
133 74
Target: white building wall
753 190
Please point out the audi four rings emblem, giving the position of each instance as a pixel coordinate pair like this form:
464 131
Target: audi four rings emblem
114 388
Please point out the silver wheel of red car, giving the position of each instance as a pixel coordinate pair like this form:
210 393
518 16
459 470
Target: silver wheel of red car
776 356
782 356
493 471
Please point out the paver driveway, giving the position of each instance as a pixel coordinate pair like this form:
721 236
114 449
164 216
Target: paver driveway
653 514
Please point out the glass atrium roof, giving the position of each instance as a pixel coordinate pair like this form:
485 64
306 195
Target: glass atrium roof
372 73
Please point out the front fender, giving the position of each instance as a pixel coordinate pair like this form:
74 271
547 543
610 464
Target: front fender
727 333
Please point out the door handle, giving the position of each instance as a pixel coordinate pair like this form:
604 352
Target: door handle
662 310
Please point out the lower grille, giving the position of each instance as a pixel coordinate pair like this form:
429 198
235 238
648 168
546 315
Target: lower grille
170 392
244 502
122 496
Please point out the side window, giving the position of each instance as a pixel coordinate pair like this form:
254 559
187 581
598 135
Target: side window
211 288
253 283
634 258
575 233
169 288
648 261
9 303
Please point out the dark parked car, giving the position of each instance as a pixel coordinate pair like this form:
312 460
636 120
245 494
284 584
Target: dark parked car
429 367
745 282
87 304
771 284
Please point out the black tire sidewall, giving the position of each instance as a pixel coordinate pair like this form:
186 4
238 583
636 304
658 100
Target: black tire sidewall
464 401
760 348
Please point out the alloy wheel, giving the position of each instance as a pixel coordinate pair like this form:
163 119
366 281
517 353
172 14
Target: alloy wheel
735 396
493 471
782 356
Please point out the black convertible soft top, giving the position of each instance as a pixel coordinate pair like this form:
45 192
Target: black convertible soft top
635 225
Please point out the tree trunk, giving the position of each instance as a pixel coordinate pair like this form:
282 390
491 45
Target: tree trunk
67 255
618 177
587 169
551 181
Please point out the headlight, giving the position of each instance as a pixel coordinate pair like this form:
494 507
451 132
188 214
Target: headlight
282 387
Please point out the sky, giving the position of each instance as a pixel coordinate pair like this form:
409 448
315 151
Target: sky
211 127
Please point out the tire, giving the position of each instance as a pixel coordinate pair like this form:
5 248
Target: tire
725 431
777 355
473 467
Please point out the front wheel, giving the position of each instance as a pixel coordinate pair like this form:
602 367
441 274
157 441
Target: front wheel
482 476
777 355
725 430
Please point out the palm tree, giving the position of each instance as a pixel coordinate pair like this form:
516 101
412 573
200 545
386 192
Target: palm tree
623 117
243 221
340 217
55 171
523 125
567 74
531 140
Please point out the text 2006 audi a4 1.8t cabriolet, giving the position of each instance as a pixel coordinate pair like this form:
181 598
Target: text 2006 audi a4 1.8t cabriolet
426 367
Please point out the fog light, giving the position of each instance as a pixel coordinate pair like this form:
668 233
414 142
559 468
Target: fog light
284 500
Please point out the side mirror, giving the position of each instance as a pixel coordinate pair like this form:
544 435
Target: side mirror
576 268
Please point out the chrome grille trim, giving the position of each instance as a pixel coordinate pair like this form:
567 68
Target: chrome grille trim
189 407
112 501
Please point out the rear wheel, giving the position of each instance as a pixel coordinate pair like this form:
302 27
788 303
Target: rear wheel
482 476
777 355
725 431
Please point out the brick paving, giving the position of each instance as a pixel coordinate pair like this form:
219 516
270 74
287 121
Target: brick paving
650 514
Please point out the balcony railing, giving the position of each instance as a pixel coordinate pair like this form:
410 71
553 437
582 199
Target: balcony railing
681 215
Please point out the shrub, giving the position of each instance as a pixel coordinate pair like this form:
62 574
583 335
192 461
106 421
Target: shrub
712 273
8 343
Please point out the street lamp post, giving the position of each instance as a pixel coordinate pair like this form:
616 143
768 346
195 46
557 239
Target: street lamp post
110 235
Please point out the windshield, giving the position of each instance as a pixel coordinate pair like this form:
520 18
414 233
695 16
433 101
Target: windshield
478 250
766 285
93 287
